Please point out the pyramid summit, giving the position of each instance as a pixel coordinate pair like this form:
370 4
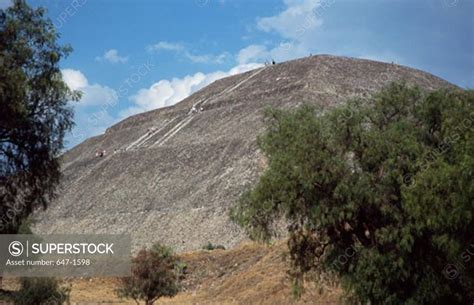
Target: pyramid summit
172 174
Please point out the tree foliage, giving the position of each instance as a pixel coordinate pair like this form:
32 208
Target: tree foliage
41 291
155 274
34 114
378 192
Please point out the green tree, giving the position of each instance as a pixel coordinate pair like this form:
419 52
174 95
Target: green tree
34 114
41 291
377 192
155 274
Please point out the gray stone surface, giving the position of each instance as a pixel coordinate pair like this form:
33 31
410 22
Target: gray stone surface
177 184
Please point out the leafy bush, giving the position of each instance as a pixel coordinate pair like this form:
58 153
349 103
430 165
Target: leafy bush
209 246
40 291
155 274
378 192
181 269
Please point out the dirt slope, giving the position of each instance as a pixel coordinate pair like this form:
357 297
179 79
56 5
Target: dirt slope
247 274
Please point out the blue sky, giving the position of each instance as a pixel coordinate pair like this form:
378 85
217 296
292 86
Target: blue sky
132 56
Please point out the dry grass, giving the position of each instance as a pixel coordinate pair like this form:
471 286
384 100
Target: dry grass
248 274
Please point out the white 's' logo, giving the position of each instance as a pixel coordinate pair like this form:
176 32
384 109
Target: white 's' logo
15 248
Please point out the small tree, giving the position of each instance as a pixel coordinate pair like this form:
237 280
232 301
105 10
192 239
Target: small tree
379 192
155 274
210 246
40 291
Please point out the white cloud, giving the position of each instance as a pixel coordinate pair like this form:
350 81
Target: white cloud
112 56
296 26
166 46
92 113
98 95
92 94
207 58
253 53
182 51
169 92
299 27
74 79
89 124
292 23
282 52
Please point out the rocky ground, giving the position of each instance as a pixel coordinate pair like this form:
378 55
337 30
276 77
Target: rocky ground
175 174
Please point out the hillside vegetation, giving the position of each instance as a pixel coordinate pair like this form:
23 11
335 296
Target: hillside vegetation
248 274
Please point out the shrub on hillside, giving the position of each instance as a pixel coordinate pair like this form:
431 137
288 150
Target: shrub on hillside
40 291
155 274
379 192
210 246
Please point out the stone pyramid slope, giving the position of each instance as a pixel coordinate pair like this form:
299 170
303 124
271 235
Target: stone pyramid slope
177 173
